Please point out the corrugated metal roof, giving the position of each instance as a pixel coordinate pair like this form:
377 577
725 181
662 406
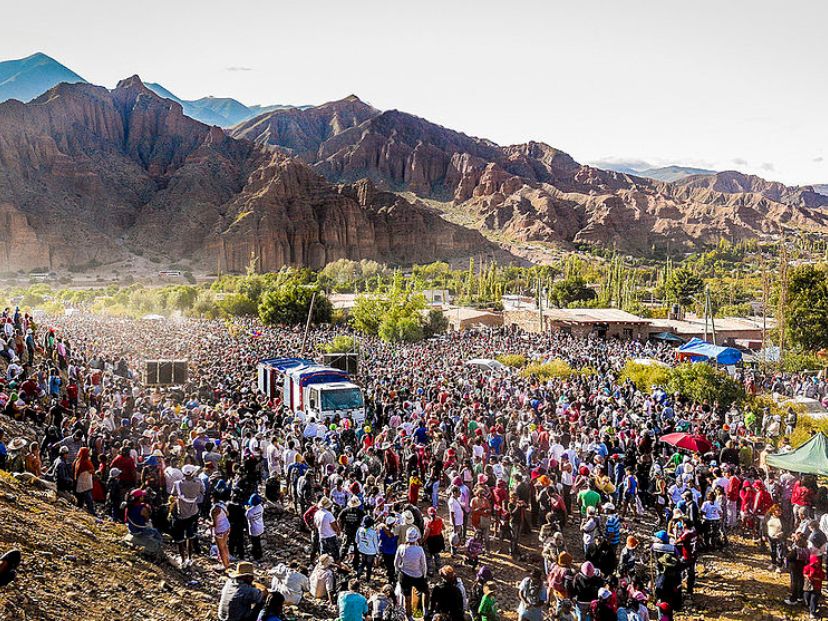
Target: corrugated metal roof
593 315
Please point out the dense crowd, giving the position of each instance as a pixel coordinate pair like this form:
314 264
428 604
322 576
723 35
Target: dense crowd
454 467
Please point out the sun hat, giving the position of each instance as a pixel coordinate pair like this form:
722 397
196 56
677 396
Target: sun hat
412 534
326 560
189 470
114 473
447 571
354 502
242 570
17 444
604 593
408 518
390 520
632 542
588 569
324 502
564 559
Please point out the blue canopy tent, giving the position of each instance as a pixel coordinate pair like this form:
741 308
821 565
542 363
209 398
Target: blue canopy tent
697 349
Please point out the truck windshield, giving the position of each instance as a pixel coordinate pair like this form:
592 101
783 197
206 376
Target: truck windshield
341 399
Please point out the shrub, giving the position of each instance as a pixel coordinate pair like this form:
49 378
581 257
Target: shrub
700 381
514 361
340 344
806 427
545 371
645 376
237 305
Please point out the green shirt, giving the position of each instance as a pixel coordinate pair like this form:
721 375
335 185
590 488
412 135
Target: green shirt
488 608
588 498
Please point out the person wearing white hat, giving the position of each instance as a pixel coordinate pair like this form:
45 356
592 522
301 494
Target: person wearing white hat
188 493
411 566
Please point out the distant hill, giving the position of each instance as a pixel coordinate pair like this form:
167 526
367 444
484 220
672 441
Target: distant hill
821 188
26 78
673 173
221 111
640 168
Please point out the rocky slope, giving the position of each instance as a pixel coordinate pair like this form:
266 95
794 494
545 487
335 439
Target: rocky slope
88 174
76 567
532 192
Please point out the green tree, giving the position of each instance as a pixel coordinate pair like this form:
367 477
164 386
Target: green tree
683 285
806 316
570 290
289 304
366 315
435 323
401 327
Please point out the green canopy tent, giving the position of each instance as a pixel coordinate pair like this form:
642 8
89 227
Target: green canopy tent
810 458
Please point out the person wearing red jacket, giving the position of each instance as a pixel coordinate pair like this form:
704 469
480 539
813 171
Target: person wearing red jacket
746 497
801 495
814 576
734 486
762 502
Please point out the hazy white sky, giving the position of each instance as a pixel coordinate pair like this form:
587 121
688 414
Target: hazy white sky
717 83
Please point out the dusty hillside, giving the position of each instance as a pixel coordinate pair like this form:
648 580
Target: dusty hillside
75 567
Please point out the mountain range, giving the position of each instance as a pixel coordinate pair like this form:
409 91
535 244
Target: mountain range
639 168
90 175
27 78
221 111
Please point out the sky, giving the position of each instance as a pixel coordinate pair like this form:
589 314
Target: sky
722 84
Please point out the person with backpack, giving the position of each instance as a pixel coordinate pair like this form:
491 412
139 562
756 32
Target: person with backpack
533 597
484 575
446 597
796 559
585 587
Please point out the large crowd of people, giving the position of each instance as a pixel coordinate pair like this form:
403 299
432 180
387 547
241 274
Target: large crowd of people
456 471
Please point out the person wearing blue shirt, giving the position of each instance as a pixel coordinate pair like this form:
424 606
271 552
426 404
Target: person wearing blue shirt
352 604
496 443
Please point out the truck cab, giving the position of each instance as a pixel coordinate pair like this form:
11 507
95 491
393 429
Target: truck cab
326 400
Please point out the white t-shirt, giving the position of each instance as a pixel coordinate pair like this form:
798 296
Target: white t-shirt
255 520
172 475
323 520
711 511
455 511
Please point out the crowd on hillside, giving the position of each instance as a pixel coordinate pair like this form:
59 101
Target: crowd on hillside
455 470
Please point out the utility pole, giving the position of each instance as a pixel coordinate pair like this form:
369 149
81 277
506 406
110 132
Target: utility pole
307 325
783 296
764 304
540 307
710 310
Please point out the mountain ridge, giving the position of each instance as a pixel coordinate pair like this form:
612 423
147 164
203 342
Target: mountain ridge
534 192
88 174
24 79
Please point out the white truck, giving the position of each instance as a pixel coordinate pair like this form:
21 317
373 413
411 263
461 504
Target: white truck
309 389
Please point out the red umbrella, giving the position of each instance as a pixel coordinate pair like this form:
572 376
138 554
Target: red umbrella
688 441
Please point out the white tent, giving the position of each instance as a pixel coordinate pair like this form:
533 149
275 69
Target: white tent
811 407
